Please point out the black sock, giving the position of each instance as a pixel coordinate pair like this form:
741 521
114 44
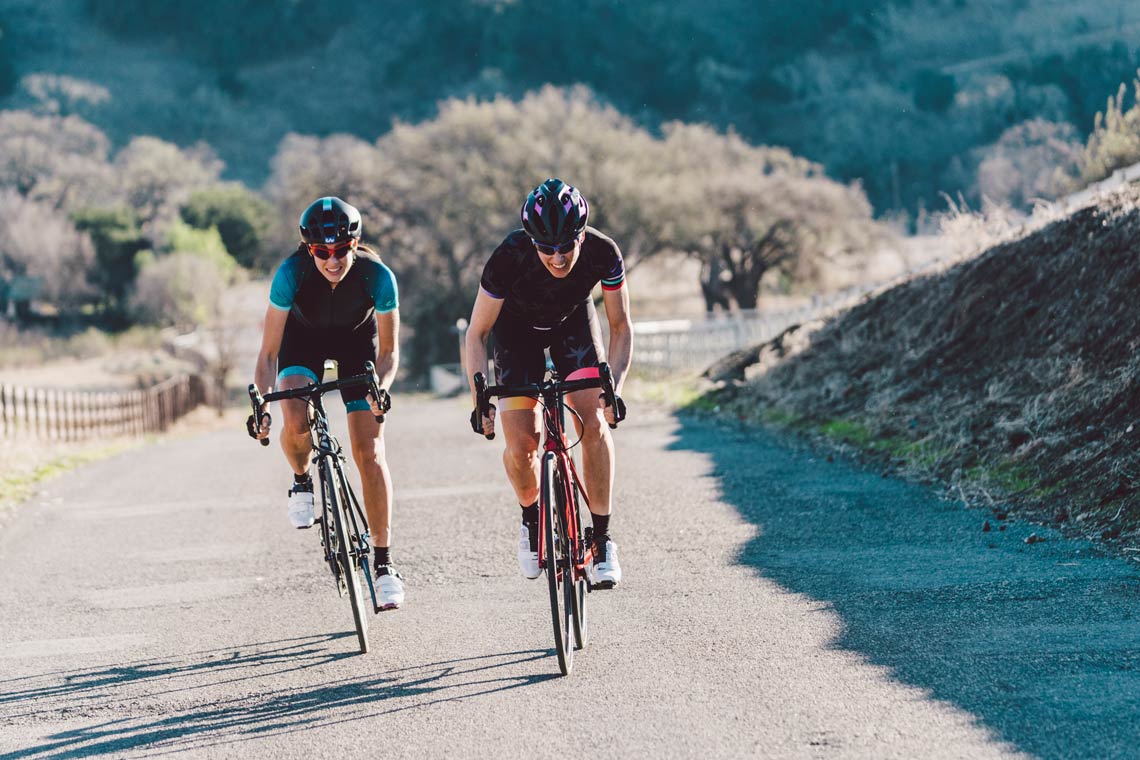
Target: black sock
530 520
383 559
302 480
601 528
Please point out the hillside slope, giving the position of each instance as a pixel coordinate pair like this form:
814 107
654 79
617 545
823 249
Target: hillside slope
1013 377
900 95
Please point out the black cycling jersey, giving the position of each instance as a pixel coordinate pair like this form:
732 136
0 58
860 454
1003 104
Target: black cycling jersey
534 297
331 323
368 286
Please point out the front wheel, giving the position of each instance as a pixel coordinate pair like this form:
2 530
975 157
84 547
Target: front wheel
580 585
557 561
348 566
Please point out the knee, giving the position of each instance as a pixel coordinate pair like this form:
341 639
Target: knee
594 427
294 425
521 455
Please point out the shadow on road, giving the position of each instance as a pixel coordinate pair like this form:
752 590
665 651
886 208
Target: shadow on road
1041 642
151 686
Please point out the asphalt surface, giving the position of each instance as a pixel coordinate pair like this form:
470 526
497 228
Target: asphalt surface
775 605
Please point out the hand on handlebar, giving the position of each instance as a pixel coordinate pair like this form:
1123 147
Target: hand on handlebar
615 413
486 426
379 407
258 425
378 399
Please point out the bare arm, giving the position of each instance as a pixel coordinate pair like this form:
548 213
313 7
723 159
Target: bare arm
483 316
621 333
265 371
388 351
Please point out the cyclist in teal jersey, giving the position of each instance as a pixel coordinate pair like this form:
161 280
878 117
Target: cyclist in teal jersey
335 299
534 296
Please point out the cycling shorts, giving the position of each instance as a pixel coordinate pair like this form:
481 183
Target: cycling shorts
519 350
305 349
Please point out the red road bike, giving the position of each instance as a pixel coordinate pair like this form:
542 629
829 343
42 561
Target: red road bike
564 550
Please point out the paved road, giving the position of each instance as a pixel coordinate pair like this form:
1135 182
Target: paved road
776 605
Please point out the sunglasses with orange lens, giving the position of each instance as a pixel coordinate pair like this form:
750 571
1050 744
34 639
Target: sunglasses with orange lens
323 252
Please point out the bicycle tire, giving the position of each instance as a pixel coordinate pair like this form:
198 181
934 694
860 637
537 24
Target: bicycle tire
581 620
560 611
348 566
348 497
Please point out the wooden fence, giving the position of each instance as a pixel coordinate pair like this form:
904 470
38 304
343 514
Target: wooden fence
59 415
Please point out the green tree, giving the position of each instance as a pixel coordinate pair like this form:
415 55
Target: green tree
205 244
242 218
7 68
117 239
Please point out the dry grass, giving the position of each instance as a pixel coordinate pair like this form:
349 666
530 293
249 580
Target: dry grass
1013 378
27 464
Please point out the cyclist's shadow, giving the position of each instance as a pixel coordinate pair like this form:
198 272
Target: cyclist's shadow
147 684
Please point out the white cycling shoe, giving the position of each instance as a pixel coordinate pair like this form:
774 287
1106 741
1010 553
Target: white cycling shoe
528 560
389 589
301 506
607 572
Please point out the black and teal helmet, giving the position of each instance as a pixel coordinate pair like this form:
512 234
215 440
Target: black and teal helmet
329 220
554 213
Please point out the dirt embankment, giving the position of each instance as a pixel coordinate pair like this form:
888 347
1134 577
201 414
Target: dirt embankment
1013 378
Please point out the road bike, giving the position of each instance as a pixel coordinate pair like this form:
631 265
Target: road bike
343 526
564 550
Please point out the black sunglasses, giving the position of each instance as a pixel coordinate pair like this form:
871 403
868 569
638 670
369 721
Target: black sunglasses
550 250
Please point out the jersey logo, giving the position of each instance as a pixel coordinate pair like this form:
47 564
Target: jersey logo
330 239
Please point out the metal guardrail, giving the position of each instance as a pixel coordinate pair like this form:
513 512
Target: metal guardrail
693 344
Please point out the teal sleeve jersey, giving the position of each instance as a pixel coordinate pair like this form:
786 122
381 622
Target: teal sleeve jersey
368 286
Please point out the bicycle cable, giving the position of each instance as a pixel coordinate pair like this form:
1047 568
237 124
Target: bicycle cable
581 423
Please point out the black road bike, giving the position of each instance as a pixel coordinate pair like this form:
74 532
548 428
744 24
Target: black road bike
343 526
564 550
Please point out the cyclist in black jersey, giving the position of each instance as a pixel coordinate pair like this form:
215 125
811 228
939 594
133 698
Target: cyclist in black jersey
535 296
335 299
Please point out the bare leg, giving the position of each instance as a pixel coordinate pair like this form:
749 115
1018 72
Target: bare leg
295 439
520 458
367 439
597 450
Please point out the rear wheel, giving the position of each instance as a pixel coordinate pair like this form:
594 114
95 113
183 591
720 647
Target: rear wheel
346 560
556 560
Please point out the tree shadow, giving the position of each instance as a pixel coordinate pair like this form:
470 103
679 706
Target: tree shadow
1039 641
90 692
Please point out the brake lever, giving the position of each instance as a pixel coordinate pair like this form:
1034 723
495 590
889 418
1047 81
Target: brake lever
256 401
608 393
383 398
481 402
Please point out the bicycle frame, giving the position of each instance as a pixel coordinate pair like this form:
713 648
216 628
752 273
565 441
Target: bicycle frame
329 456
555 444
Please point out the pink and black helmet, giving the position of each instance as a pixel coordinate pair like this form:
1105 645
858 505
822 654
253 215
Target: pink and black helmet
554 213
